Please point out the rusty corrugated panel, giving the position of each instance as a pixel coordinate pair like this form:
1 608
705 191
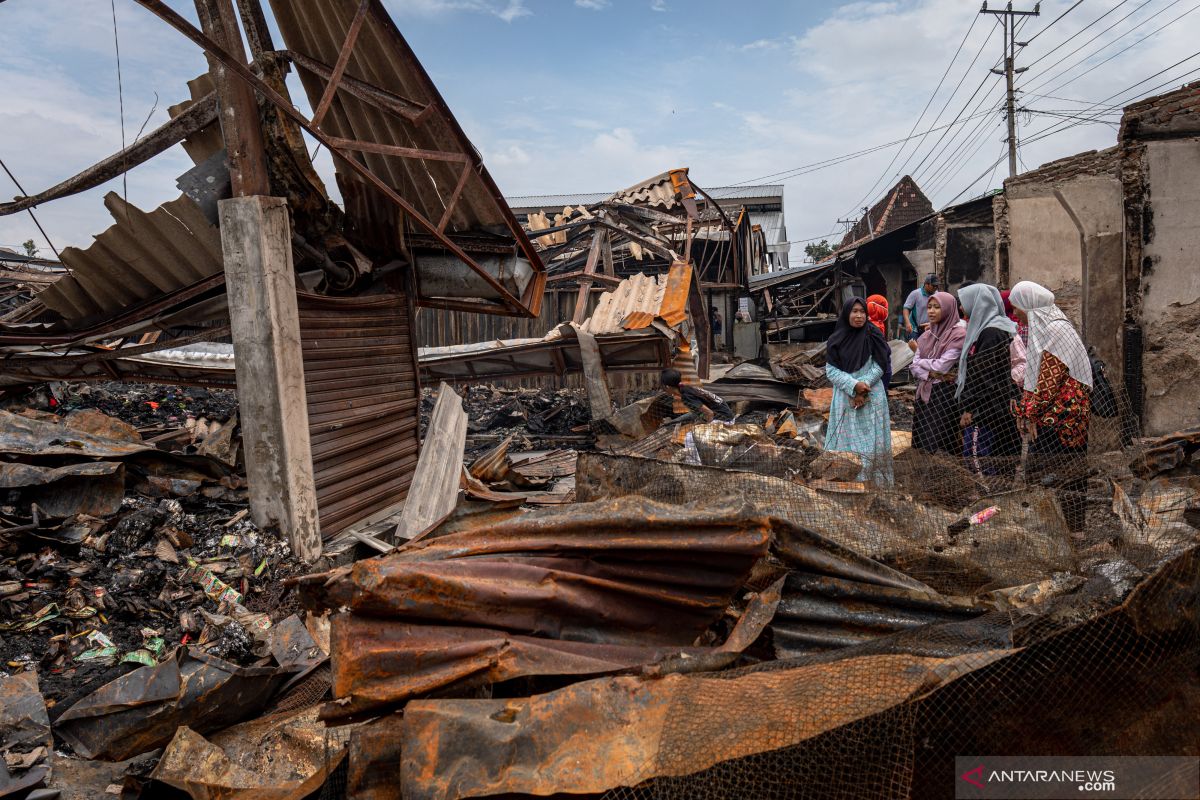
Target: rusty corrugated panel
639 294
614 574
360 376
674 305
638 729
139 258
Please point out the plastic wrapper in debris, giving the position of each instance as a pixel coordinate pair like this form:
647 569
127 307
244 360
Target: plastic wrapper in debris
284 756
24 735
141 710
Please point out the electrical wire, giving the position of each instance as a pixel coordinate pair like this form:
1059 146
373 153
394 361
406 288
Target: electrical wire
804 169
1101 33
32 216
121 105
886 170
1064 126
1125 49
1050 24
1063 43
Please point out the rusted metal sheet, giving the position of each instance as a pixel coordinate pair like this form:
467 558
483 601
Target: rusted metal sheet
613 575
284 756
654 573
141 257
382 663
142 710
822 612
25 740
639 729
638 298
361 382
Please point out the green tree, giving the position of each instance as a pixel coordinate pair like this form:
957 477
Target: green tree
818 251
30 248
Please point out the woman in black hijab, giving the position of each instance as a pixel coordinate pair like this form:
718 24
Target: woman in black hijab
858 362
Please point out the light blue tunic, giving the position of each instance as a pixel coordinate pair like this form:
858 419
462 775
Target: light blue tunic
867 430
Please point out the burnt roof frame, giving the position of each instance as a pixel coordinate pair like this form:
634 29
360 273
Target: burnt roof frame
529 305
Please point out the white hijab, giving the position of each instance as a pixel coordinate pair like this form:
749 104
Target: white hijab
1049 330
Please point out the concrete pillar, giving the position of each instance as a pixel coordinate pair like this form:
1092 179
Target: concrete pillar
261 287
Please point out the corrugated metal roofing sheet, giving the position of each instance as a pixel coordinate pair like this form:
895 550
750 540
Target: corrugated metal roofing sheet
141 257
638 293
772 225
381 57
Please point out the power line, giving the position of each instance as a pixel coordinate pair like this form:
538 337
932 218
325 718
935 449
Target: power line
21 189
954 168
1098 35
965 106
961 157
1125 49
1067 125
928 103
804 169
1050 24
1076 33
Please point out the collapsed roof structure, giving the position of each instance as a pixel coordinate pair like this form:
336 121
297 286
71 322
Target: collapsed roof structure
423 224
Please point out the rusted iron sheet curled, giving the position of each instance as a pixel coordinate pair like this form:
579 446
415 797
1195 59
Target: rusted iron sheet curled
584 589
141 710
619 571
283 756
638 729
382 663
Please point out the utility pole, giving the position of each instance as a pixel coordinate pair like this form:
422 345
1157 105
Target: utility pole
1008 19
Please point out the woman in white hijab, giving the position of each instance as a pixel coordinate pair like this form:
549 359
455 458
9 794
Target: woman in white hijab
1055 409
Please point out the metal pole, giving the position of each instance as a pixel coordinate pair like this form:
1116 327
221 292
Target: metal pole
1010 103
1008 20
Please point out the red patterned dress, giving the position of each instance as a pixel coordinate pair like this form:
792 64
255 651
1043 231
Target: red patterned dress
1060 403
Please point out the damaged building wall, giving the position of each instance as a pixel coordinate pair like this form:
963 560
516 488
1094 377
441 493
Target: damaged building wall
1171 285
965 243
1064 224
1160 148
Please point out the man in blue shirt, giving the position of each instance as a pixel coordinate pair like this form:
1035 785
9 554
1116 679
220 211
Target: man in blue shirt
915 315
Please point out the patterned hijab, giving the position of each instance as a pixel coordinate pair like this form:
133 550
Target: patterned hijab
985 309
941 337
1049 331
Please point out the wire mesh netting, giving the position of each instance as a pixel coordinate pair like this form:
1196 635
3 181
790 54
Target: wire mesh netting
990 564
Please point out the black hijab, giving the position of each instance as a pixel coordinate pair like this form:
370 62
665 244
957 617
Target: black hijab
849 347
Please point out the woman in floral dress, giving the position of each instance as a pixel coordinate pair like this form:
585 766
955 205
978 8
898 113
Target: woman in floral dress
1055 408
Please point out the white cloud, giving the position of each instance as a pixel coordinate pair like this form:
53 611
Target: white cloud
762 44
514 10
594 5
658 5
508 12
511 156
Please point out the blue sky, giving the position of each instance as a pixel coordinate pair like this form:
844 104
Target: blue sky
594 95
